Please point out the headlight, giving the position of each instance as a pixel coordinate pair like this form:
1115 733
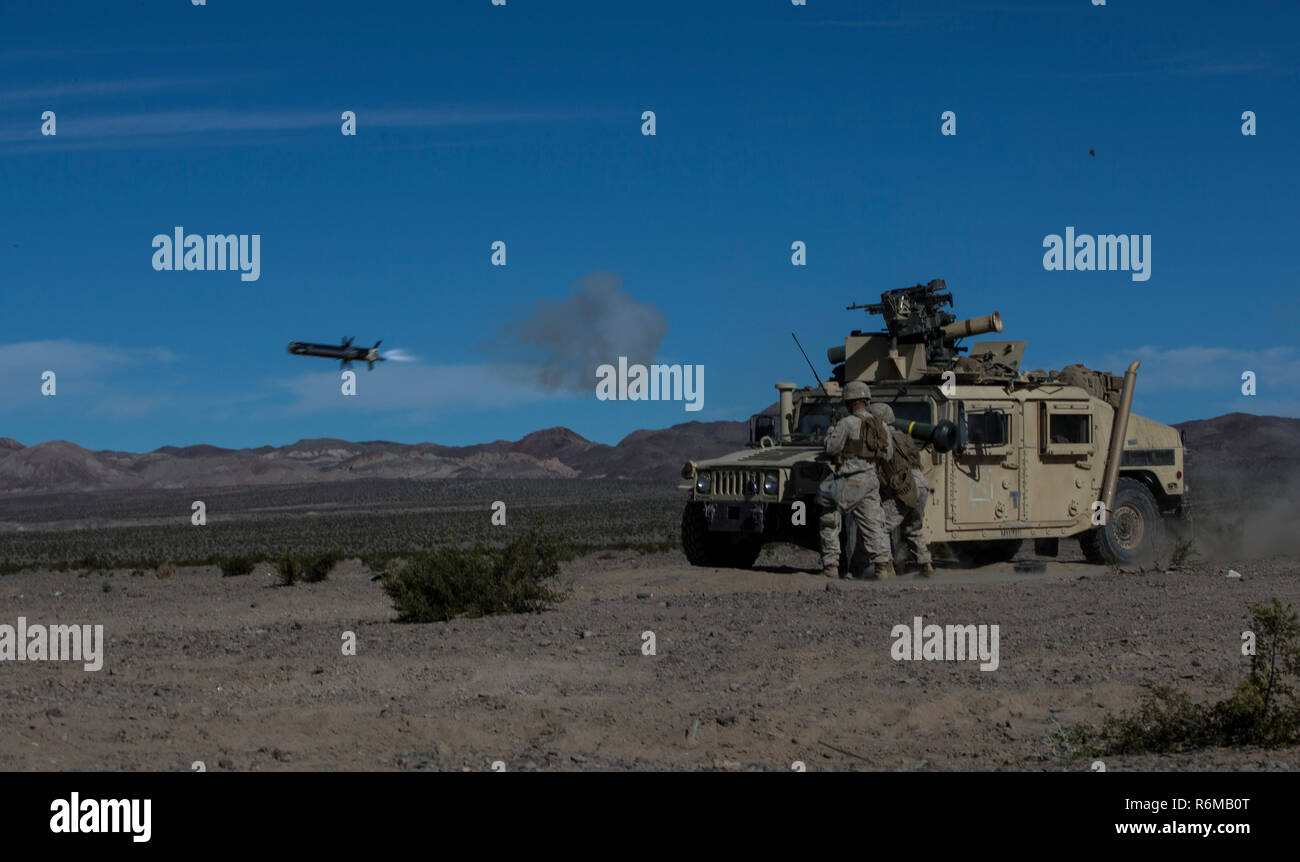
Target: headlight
770 483
704 482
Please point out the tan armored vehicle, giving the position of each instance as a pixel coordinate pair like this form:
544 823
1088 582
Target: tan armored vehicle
1011 455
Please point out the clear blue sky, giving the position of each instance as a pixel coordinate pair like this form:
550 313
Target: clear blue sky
522 123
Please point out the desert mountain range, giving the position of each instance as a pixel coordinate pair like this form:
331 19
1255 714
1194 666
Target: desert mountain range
550 453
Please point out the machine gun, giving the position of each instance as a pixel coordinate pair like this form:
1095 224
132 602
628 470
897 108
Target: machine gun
915 315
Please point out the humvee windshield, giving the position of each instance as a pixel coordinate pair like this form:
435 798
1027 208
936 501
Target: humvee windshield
815 418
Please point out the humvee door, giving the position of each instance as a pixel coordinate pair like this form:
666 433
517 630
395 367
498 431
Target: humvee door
984 479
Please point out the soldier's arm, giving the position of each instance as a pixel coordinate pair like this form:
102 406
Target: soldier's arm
888 454
835 439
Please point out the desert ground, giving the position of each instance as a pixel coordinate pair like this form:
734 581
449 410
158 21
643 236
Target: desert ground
753 670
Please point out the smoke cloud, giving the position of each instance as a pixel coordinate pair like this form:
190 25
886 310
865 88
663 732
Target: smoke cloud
562 341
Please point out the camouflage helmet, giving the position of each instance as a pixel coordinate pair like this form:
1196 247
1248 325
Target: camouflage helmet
882 411
856 390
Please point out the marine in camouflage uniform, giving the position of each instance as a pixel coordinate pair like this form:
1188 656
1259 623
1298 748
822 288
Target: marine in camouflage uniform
854 445
904 491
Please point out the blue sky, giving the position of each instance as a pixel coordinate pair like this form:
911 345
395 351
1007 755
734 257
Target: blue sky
522 123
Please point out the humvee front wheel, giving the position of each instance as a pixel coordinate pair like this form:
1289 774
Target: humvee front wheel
1132 530
703 547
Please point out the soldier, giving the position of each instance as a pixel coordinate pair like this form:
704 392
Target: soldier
853 445
904 491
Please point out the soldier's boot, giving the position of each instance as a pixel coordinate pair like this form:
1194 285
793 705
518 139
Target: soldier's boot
831 571
926 570
885 570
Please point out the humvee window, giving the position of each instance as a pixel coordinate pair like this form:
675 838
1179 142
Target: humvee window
912 411
1068 428
988 428
815 417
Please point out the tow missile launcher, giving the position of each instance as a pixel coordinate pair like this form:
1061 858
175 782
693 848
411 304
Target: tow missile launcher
918 335
1009 455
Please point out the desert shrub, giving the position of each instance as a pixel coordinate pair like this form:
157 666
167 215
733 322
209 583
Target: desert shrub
378 563
1062 744
232 567
164 570
316 567
290 569
1263 711
94 563
395 517
437 585
1182 554
308 568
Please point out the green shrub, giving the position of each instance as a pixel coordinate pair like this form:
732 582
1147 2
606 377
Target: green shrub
316 568
437 585
309 568
232 567
378 563
289 568
1263 711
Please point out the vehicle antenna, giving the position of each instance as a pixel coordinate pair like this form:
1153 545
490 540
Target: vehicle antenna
810 365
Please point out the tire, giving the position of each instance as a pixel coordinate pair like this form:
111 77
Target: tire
1091 547
975 554
704 547
1132 532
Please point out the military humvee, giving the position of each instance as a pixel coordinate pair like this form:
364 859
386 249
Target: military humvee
1010 455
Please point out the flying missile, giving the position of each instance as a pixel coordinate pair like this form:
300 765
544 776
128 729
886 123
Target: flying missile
344 352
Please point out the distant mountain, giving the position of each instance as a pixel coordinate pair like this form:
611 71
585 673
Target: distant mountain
1242 435
1230 456
549 453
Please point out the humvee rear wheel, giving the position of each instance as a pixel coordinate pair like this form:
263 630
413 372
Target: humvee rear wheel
1132 530
704 547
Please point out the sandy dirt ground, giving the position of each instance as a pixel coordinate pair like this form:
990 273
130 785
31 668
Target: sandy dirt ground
754 670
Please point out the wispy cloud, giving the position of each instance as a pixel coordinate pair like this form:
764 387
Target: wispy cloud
63 52
868 23
83 370
203 126
1277 369
414 388
1194 65
52 92
75 356
125 406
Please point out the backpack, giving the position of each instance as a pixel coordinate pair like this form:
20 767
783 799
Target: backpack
871 441
896 473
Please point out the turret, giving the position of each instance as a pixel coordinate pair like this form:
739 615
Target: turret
919 336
